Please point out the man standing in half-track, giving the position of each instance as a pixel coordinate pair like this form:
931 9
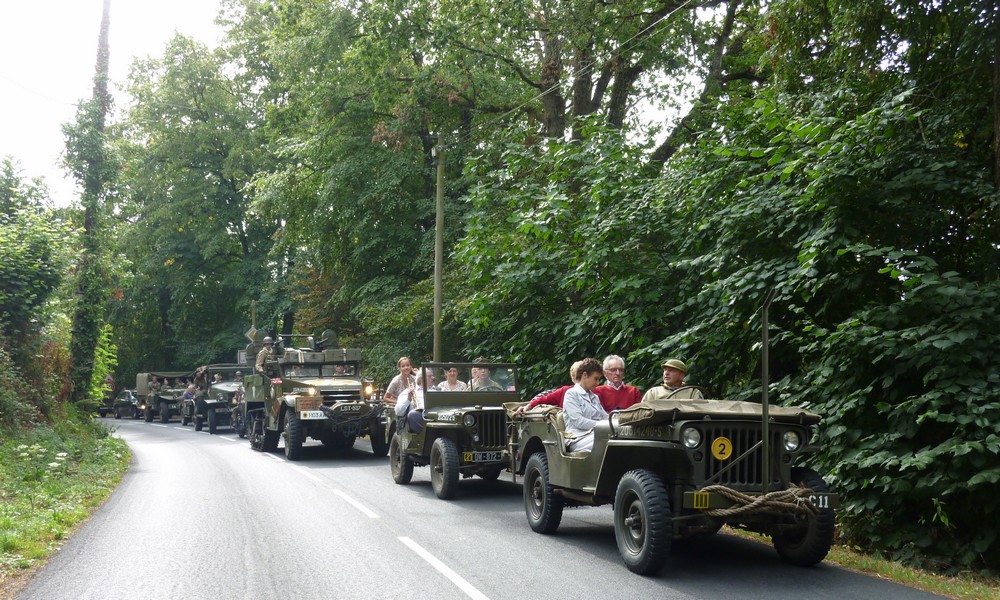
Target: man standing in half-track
264 355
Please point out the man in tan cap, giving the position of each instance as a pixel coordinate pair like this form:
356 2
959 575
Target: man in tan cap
674 372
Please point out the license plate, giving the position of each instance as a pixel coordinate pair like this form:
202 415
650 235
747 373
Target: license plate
311 414
350 408
480 457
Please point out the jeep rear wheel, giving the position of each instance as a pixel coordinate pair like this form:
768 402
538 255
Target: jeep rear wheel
376 435
542 506
293 435
164 412
399 464
643 522
810 543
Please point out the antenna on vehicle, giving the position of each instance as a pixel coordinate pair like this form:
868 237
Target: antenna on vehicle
765 425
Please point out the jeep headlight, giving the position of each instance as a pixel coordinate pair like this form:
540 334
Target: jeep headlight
469 419
311 391
691 437
369 390
791 440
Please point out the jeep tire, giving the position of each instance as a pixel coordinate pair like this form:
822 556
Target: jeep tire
376 435
213 421
399 464
542 506
293 435
444 468
164 412
810 544
643 522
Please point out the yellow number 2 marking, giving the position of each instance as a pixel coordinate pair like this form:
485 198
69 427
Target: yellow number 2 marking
722 448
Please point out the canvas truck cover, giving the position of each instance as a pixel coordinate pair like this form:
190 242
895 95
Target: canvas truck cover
660 411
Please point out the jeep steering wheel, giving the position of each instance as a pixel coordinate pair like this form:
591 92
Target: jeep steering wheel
686 387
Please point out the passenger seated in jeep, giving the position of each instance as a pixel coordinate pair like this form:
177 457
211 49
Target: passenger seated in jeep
582 408
410 403
674 372
481 381
552 397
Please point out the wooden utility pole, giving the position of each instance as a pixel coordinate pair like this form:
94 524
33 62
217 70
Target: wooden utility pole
438 153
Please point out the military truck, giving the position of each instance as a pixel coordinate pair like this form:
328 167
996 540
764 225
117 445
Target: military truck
678 468
311 392
165 402
214 405
466 432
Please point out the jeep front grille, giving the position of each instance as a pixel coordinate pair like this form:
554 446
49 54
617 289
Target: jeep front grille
341 396
749 470
492 428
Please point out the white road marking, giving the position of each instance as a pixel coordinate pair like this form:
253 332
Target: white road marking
455 578
163 426
361 507
306 472
178 427
229 439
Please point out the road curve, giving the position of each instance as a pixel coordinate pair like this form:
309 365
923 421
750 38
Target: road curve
203 516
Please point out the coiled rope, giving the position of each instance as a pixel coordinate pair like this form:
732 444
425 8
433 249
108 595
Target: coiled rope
794 499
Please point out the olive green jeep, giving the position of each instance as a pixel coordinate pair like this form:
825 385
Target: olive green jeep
679 468
160 393
465 433
311 392
214 406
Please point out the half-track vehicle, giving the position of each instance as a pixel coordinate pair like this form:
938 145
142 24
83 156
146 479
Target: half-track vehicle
127 404
678 468
465 433
312 392
214 405
165 401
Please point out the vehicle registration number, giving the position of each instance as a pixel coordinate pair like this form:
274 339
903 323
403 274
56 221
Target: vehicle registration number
347 408
480 457
311 414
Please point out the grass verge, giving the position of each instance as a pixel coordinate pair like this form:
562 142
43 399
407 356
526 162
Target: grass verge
968 587
51 479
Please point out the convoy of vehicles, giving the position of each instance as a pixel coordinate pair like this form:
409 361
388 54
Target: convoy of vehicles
670 468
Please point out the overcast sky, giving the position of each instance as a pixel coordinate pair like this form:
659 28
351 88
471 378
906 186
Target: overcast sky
49 50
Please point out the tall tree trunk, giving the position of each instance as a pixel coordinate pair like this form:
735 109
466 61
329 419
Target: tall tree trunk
996 104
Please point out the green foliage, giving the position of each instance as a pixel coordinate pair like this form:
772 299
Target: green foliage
105 361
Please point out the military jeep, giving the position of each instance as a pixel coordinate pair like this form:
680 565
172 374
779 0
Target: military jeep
127 404
466 432
678 468
214 406
166 401
311 392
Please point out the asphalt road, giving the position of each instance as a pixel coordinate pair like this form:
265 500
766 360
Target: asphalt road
204 516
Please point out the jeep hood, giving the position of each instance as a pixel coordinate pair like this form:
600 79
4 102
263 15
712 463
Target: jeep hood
659 411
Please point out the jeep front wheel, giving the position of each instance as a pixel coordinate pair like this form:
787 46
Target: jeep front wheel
401 467
444 468
293 435
542 506
213 421
810 543
164 412
643 523
376 434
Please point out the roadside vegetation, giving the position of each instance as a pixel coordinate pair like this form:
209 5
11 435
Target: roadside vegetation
629 177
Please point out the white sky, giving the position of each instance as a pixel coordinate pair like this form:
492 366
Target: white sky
49 50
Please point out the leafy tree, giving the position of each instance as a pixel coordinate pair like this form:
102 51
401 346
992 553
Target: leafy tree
87 156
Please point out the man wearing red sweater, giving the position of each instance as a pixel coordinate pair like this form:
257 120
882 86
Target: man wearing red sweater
615 394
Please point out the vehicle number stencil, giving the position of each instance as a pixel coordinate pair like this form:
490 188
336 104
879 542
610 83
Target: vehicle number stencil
722 448
480 457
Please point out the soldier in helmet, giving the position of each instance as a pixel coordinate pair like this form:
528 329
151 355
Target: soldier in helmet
674 372
263 355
